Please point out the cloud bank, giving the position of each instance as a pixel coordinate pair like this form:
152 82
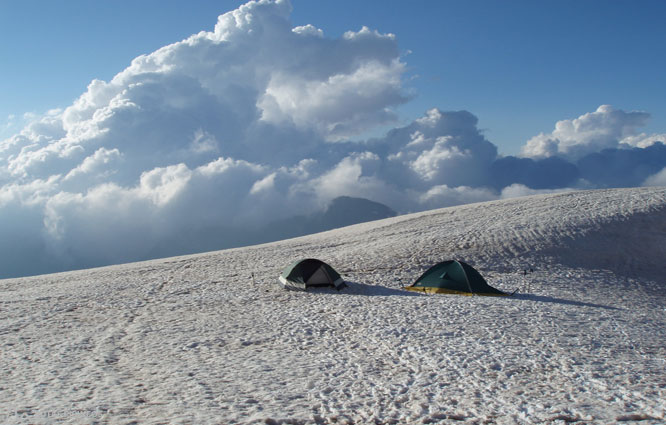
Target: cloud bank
198 142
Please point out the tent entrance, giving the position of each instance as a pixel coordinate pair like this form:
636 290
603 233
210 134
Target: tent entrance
320 278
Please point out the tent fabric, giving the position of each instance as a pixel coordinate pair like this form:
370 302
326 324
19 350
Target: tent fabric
453 277
310 272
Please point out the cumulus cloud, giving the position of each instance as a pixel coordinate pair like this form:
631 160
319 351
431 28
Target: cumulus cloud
443 196
658 179
197 143
518 190
644 140
605 128
214 129
322 105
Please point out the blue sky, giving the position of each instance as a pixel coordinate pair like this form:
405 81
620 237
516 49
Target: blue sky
519 66
142 129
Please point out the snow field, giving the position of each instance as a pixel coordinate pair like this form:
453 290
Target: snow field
212 338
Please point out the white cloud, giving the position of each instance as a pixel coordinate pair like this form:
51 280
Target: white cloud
444 196
356 176
366 33
308 30
203 142
429 164
265 184
325 105
161 185
231 129
519 190
591 132
658 179
441 148
643 140
96 165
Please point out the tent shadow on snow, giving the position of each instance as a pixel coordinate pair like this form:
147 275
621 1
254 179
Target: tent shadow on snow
547 299
363 289
357 288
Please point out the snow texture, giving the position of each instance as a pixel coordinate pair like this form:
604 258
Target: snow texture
213 338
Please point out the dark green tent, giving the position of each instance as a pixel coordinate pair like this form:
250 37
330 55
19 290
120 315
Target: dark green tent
453 277
310 272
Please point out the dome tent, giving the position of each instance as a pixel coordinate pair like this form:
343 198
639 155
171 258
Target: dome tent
453 277
310 272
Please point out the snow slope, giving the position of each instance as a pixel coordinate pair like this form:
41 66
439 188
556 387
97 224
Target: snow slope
212 338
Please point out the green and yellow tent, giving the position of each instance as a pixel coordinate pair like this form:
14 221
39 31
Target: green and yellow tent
310 272
453 277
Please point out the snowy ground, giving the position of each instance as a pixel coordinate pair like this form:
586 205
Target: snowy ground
212 338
